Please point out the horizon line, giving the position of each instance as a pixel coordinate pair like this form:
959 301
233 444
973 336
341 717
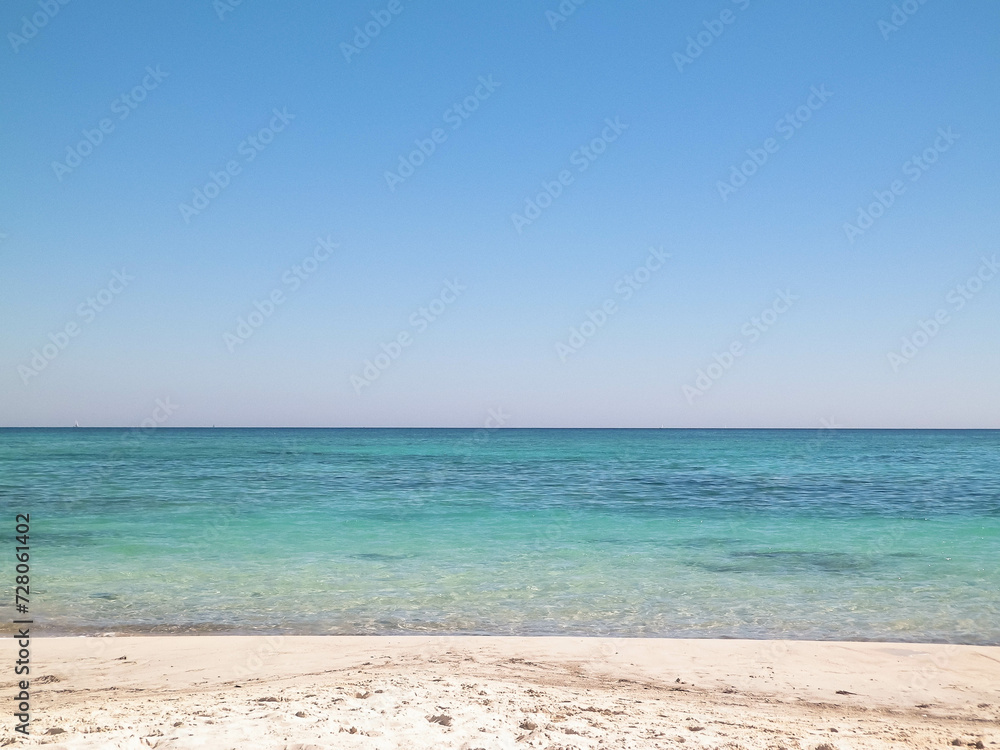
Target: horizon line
159 428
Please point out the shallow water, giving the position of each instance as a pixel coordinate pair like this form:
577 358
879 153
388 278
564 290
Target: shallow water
830 534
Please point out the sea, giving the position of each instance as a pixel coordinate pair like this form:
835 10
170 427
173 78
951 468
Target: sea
828 534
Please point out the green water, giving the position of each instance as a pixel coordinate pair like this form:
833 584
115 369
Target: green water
888 535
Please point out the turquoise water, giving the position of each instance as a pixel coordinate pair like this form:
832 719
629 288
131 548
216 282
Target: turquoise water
886 535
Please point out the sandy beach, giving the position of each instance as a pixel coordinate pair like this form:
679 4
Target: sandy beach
307 693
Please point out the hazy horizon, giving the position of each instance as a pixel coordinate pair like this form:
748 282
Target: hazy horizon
141 431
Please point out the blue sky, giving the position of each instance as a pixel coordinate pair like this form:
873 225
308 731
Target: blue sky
499 312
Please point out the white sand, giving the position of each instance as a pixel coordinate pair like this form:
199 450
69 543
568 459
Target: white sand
306 693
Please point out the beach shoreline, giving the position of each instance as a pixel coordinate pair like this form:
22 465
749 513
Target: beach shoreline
310 692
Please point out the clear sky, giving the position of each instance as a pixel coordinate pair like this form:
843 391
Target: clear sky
737 139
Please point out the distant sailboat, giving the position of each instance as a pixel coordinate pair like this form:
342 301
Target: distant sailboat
76 424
